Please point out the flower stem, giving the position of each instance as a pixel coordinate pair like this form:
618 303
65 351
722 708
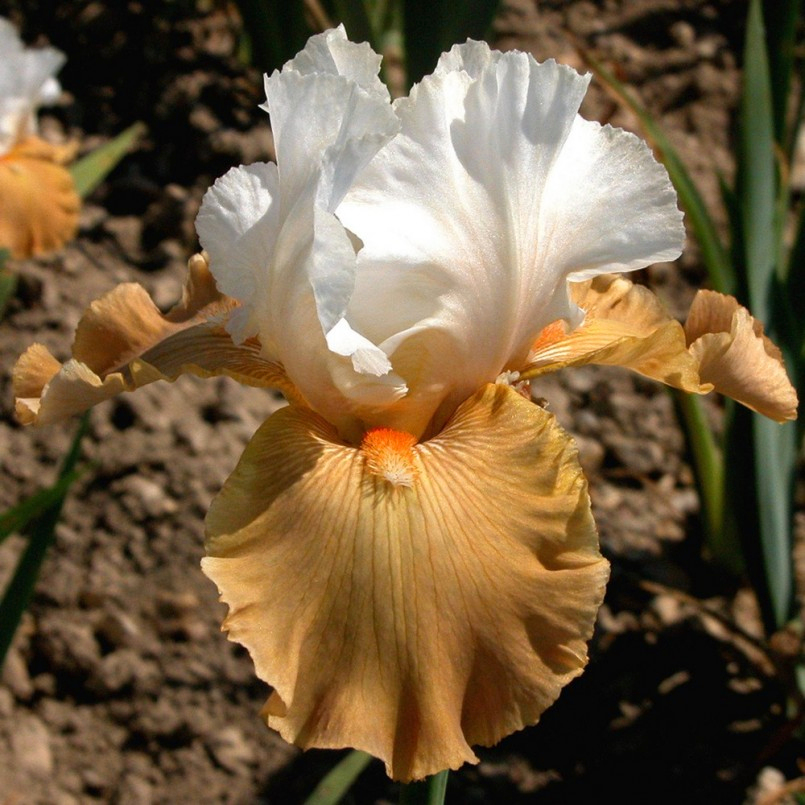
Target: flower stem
429 791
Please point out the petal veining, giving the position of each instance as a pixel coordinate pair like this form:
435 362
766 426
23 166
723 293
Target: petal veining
410 600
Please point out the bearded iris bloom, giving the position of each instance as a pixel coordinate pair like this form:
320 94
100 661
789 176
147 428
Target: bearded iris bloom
407 550
38 203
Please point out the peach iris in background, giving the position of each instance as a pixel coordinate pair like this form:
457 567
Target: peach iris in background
38 203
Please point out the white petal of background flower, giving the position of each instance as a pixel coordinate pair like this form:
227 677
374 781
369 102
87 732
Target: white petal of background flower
26 82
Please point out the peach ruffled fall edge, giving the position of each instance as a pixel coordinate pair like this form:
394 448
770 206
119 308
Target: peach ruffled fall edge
39 206
410 619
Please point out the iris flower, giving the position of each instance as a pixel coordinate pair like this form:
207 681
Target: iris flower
407 549
38 202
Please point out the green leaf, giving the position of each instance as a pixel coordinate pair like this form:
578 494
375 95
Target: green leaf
339 780
761 455
775 467
434 26
760 464
757 169
355 16
429 791
794 288
18 593
781 26
714 254
18 517
708 467
276 31
89 171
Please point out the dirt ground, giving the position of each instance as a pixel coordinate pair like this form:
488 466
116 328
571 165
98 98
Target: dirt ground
120 687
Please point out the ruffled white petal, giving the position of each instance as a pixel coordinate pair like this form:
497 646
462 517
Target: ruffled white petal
332 53
468 223
608 206
26 82
238 225
274 241
477 214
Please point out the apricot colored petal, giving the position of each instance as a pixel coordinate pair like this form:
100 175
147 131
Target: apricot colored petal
123 342
737 358
38 203
416 616
625 325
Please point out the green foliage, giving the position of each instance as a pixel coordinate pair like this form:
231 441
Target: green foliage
275 30
334 785
38 516
747 486
429 791
92 169
17 518
434 26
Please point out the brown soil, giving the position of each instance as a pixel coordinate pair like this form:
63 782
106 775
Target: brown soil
120 686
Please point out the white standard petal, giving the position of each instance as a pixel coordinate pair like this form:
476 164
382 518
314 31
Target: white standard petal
238 225
326 129
274 242
471 229
26 82
332 53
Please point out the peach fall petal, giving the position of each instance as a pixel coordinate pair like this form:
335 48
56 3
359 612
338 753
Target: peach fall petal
625 325
737 358
123 342
410 599
39 206
721 346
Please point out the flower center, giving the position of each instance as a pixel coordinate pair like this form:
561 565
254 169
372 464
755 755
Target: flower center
390 454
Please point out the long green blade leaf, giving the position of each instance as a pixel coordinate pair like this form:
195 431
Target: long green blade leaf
767 480
17 518
89 171
20 589
781 26
757 169
339 780
715 255
795 289
708 466
775 463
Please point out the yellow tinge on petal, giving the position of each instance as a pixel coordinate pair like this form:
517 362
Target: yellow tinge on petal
38 203
390 454
410 619
123 342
